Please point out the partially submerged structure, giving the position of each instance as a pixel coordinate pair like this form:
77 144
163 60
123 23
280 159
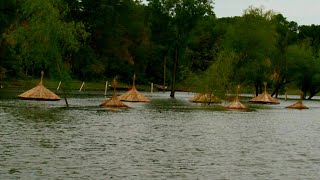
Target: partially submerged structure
113 102
298 105
205 98
265 98
40 93
236 104
133 95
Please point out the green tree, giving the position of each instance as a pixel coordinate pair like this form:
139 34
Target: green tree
8 15
184 15
252 37
304 69
286 35
42 40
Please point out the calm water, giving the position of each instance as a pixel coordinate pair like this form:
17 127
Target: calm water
164 139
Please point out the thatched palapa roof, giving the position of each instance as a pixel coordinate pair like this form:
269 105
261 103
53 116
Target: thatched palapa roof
113 101
133 95
205 98
298 105
236 104
40 93
265 98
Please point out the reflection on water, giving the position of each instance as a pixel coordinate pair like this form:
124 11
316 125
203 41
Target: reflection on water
164 139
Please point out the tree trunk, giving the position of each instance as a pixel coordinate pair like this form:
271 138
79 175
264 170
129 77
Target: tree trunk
312 94
173 82
276 90
65 97
257 88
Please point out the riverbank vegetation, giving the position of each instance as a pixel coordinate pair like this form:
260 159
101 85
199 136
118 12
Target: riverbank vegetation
164 42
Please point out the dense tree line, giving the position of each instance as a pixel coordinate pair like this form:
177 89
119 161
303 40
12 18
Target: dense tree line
162 41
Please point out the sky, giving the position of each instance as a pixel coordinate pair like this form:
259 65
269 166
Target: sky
304 12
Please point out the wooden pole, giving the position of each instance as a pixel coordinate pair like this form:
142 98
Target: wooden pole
151 88
164 73
59 86
286 97
106 89
81 86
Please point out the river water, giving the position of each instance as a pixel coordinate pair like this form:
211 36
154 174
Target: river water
164 139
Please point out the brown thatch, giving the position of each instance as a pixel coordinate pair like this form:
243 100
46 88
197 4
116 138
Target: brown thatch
133 95
265 98
39 93
298 105
205 98
113 101
236 104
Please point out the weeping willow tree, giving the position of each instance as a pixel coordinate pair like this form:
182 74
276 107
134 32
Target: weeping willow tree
42 40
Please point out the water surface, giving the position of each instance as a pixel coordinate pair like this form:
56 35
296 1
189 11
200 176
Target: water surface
164 139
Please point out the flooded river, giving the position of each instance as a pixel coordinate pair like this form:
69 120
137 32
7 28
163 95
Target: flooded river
164 139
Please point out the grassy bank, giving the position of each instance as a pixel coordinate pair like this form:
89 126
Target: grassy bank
100 86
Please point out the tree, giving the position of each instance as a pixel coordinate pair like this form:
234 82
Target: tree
184 15
252 37
304 69
7 16
41 39
286 35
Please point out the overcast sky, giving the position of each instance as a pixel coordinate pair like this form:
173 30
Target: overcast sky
304 12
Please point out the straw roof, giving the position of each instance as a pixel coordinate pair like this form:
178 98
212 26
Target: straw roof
236 104
265 98
205 98
113 101
133 95
298 105
40 93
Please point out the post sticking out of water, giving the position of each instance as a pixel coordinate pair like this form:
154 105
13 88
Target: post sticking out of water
151 88
106 89
286 97
81 86
59 86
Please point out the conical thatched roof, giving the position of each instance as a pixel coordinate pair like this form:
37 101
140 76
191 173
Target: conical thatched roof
113 101
236 104
205 98
265 98
133 95
40 93
298 105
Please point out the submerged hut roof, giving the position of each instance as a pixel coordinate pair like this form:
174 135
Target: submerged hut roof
236 104
298 105
40 93
265 98
113 101
133 95
205 98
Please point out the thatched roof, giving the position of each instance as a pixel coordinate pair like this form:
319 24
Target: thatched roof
39 93
265 98
205 98
236 104
113 101
133 95
298 105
